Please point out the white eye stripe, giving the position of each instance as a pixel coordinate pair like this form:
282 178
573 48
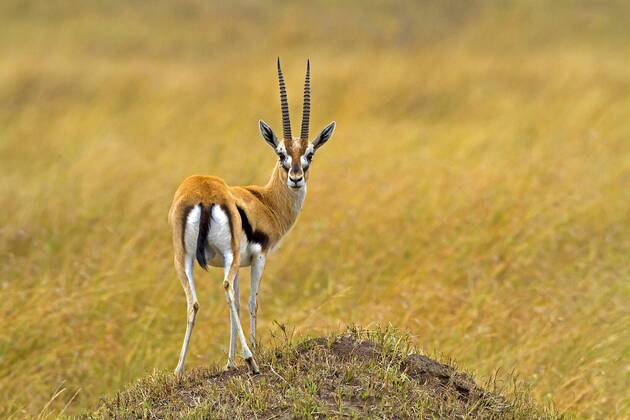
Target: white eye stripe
285 160
307 156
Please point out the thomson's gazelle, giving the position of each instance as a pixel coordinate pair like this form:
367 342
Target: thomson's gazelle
234 227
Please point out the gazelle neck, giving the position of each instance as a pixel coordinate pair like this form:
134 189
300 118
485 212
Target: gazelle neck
286 201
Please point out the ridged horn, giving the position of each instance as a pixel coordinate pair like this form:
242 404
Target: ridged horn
306 111
284 104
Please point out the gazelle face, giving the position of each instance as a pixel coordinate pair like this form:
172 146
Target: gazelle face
292 157
295 156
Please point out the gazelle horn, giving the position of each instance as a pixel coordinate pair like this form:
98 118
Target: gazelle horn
286 122
306 113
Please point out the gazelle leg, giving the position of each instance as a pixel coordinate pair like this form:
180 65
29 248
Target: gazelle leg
230 270
185 275
233 326
258 265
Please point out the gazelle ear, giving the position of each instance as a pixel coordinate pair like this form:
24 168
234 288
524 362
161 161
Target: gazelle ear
268 134
324 136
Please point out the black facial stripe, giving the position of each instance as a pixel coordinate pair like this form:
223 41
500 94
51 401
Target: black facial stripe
282 157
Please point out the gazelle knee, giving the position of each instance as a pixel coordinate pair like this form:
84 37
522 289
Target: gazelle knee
229 293
192 311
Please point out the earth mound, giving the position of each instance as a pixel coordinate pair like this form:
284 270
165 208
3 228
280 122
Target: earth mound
356 374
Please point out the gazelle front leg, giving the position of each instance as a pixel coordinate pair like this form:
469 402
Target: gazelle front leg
233 326
230 272
258 266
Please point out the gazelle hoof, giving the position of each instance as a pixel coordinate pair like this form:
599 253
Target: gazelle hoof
253 367
229 366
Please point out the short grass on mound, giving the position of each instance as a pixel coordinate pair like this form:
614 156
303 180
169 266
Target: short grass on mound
356 374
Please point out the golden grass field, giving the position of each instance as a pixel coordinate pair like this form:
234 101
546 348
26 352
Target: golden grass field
476 192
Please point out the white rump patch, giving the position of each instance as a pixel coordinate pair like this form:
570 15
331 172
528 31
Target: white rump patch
219 236
220 241
191 230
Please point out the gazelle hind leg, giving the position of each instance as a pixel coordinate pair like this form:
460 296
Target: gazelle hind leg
258 265
230 271
185 273
233 327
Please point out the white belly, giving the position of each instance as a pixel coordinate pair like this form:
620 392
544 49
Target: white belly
248 251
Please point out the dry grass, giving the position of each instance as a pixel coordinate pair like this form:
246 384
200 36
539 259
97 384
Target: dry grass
358 374
475 192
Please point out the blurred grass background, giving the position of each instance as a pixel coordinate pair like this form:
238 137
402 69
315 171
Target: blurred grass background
476 192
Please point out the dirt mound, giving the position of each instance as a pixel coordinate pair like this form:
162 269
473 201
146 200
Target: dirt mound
441 380
356 374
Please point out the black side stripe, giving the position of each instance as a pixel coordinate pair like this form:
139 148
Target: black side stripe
202 238
252 235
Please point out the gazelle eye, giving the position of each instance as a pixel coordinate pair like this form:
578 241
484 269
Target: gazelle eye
309 156
282 156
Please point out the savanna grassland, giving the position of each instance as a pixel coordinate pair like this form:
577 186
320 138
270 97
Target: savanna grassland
476 192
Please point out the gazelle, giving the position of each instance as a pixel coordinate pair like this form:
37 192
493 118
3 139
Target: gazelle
234 227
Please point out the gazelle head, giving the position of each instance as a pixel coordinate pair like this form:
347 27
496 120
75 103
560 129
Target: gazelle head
295 154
